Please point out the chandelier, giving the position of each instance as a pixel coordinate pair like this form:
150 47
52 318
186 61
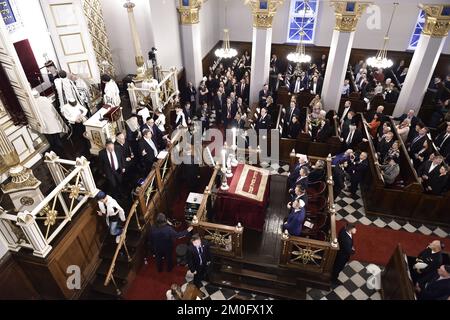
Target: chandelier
226 51
381 60
300 56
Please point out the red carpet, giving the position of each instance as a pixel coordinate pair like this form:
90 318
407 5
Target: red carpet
149 284
376 245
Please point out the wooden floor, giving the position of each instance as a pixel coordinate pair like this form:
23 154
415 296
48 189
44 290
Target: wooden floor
265 247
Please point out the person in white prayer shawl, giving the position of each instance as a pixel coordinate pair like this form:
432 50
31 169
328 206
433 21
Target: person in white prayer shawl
51 123
83 90
66 89
111 93
75 114
109 207
180 120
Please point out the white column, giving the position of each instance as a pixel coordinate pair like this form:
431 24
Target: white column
261 47
8 235
341 46
192 52
88 178
419 74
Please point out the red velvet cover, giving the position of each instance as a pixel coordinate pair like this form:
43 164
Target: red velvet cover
232 208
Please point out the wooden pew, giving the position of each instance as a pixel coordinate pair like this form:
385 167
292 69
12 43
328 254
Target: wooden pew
395 280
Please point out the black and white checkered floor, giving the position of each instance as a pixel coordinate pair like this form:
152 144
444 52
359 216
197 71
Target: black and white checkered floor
357 283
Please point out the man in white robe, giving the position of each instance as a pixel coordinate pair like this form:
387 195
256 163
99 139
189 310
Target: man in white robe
52 125
111 93
66 89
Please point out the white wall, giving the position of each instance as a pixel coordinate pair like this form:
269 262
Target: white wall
240 24
210 28
166 31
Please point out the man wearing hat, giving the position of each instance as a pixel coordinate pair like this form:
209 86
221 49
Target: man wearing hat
65 89
51 123
113 212
295 218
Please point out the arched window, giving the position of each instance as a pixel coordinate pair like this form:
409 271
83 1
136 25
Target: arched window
417 31
296 21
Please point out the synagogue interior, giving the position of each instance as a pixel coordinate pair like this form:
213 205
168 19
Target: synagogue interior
224 150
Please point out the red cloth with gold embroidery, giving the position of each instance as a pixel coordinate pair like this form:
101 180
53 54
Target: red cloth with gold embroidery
246 199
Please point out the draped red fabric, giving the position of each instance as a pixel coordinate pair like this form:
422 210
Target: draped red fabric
28 62
9 99
232 208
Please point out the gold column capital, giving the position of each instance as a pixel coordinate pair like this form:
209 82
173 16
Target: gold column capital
347 14
263 12
189 11
437 19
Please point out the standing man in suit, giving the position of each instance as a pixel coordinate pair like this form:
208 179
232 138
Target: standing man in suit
296 218
198 258
293 111
315 86
385 145
353 138
343 115
157 136
219 103
443 143
294 128
238 122
429 172
357 171
346 249
243 91
161 239
263 94
147 151
228 113
264 122
416 143
112 166
191 95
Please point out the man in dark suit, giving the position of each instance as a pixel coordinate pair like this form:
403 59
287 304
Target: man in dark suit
189 112
353 138
228 113
191 95
442 142
315 87
423 267
161 239
294 128
147 151
198 258
302 179
237 122
296 218
342 115
292 111
264 121
438 288
219 102
384 145
299 193
324 132
346 249
299 84
357 170
112 166
295 173
263 94
430 170
416 143
157 135
243 91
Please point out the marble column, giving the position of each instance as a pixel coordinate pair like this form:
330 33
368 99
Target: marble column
424 60
191 40
263 13
347 16
140 62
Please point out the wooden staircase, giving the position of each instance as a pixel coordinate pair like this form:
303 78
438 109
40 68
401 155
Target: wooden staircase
125 269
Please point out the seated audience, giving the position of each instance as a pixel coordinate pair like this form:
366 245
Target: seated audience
424 266
294 128
390 171
295 218
437 288
429 173
422 155
342 157
385 145
403 129
318 172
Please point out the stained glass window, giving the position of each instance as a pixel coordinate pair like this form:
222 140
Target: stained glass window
417 31
303 14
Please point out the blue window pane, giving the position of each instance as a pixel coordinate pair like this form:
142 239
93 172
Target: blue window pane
417 31
186 3
302 17
263 5
446 11
7 13
350 7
